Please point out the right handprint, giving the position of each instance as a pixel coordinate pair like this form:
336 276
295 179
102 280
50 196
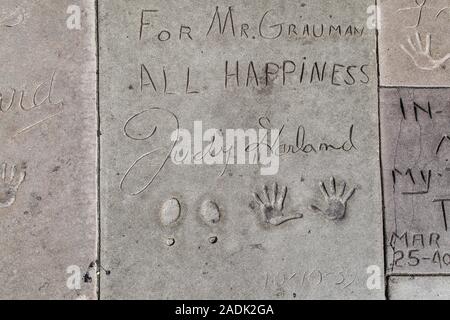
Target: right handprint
335 205
421 55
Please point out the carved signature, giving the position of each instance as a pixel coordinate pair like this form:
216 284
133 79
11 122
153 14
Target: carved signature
38 99
162 154
138 137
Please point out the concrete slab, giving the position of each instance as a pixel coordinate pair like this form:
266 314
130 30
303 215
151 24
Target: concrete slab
172 231
48 150
416 175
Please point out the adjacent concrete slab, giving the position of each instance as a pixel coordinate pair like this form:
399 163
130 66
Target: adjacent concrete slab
416 173
199 231
419 288
48 149
414 46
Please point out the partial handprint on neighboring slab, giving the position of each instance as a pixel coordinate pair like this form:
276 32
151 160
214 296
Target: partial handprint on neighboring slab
9 184
335 204
421 55
272 207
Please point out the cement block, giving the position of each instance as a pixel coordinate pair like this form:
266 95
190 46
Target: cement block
416 176
48 149
419 288
414 47
172 231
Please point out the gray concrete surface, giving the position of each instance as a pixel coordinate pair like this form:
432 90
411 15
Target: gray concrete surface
48 150
419 288
155 239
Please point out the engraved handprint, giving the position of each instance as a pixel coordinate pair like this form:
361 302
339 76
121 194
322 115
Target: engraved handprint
10 185
271 207
336 204
421 55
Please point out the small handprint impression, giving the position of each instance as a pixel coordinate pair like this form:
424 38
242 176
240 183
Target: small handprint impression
421 55
9 184
271 207
336 204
